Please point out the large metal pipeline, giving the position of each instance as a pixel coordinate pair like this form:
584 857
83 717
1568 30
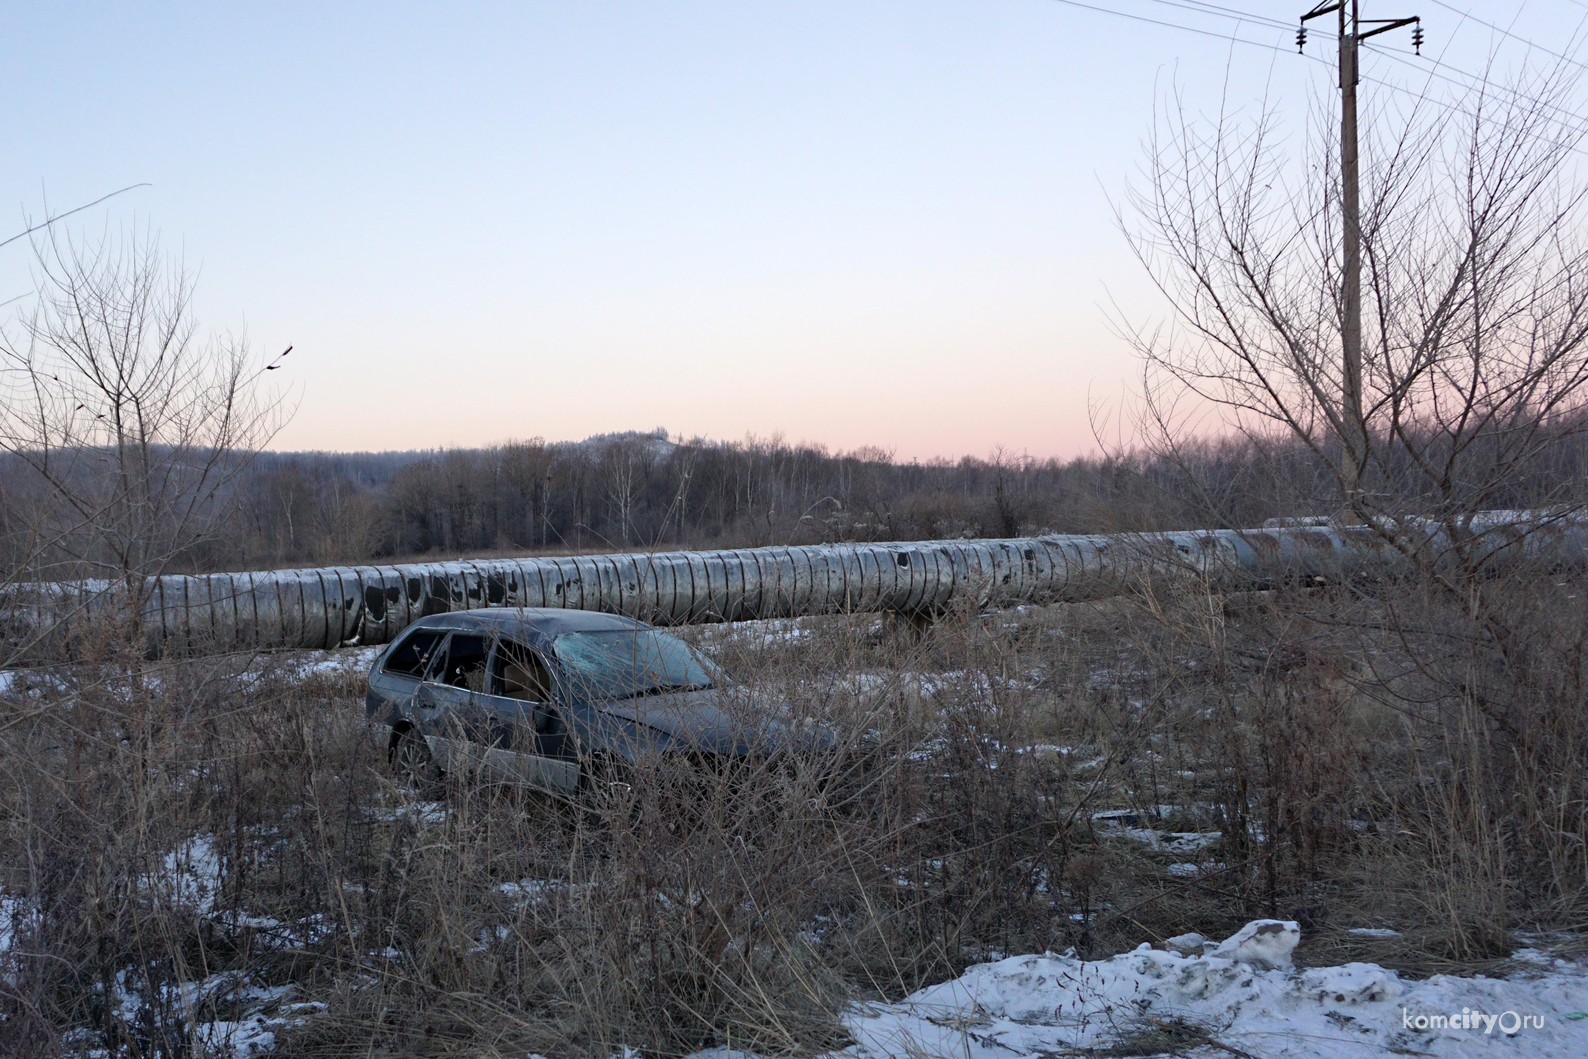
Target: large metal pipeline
347 605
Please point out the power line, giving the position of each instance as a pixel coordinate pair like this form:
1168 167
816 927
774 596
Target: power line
1573 143
1170 25
1202 7
1217 11
1220 11
1507 33
61 216
1478 81
1235 13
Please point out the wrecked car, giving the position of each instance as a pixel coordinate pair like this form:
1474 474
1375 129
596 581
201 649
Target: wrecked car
555 699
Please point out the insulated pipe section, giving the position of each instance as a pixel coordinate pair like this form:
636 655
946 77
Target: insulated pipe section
336 606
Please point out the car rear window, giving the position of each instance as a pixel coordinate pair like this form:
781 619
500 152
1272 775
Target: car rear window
409 657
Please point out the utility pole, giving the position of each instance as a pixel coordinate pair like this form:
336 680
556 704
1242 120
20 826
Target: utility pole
1353 428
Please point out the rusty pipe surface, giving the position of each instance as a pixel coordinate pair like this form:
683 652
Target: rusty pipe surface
350 605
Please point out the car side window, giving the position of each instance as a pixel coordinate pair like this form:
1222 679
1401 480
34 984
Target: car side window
409 658
517 672
464 665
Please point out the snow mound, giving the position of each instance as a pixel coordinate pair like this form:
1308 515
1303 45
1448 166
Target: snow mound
1242 994
1189 944
1262 943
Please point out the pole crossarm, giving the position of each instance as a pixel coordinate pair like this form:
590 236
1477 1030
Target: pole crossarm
1386 24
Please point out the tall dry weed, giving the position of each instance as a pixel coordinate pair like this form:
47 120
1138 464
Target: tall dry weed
188 845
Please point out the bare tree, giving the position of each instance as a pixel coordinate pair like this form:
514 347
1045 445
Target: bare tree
1474 396
1475 348
625 464
121 425
1008 472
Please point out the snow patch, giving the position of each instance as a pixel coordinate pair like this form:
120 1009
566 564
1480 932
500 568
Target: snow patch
1126 823
237 1040
191 876
1032 1006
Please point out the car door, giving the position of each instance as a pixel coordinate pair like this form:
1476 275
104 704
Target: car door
447 704
398 672
529 740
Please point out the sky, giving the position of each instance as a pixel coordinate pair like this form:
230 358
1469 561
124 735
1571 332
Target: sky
882 223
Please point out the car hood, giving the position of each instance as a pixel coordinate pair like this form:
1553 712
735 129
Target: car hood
694 717
697 718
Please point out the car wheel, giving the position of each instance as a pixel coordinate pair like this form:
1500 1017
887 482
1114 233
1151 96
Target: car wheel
414 764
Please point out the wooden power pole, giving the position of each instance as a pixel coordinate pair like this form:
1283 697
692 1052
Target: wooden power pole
1353 427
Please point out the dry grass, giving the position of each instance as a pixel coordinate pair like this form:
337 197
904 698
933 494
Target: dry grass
1364 761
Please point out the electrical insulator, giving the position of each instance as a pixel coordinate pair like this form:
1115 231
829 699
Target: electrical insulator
1417 38
1301 38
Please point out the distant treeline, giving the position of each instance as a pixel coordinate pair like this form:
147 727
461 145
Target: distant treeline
649 491
637 490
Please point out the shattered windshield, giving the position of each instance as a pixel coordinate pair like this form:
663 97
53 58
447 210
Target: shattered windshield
626 663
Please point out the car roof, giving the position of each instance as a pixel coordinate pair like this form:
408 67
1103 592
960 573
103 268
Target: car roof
545 622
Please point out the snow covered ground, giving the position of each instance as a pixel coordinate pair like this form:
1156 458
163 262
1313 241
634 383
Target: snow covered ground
1240 997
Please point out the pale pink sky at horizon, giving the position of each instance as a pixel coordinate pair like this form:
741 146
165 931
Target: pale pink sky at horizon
888 224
